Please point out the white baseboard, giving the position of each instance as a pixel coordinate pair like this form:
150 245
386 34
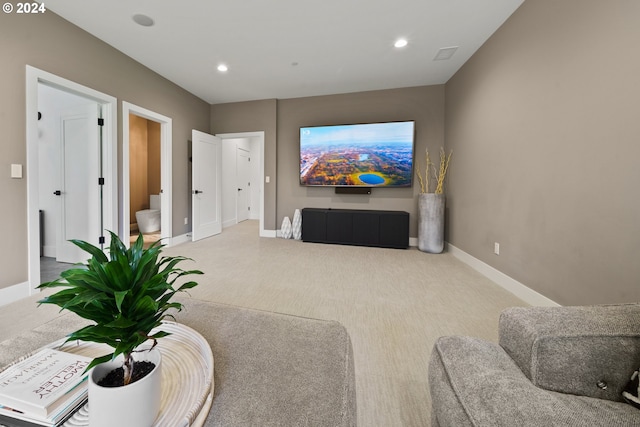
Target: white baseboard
229 223
270 233
413 241
49 251
518 289
183 238
15 292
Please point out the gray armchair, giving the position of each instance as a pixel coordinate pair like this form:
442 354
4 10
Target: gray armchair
554 366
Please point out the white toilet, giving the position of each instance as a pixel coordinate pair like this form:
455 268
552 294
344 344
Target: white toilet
149 219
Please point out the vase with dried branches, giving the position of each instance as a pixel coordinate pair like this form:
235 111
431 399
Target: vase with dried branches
431 206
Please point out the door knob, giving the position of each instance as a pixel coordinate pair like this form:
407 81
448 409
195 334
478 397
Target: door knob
197 192
239 189
57 192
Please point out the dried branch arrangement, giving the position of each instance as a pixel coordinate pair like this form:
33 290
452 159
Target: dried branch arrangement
430 169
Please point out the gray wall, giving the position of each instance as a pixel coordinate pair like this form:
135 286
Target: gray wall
424 104
52 44
544 124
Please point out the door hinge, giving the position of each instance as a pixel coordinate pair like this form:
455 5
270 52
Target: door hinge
100 122
249 208
249 158
101 240
100 181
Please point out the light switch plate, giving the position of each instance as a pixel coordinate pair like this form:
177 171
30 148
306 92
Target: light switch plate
16 171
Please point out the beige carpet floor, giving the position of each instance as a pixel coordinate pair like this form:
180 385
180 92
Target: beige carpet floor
394 304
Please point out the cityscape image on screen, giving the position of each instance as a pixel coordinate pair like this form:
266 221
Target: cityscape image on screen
371 155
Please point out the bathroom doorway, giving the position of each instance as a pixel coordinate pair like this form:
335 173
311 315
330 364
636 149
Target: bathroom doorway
55 97
147 175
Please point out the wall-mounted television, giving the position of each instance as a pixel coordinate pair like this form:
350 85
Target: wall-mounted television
369 155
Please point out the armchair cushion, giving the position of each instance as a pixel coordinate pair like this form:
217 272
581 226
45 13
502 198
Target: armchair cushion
476 383
587 351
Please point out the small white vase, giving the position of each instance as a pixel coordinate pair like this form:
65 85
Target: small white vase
285 229
136 404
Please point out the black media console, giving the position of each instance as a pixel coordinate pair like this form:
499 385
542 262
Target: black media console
386 229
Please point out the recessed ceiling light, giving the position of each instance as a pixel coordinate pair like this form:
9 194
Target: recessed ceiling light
143 20
401 43
222 68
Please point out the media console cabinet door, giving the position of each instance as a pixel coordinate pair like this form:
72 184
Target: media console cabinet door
314 225
340 227
394 230
366 228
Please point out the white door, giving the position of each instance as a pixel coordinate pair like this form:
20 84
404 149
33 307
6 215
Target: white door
80 214
244 186
206 194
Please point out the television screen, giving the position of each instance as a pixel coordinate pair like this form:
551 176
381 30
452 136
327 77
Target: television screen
370 155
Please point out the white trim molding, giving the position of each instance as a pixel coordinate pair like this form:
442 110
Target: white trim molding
178 240
15 293
526 294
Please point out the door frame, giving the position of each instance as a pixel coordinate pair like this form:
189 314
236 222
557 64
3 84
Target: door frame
166 172
108 103
259 138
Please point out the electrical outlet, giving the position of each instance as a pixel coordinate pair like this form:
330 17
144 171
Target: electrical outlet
496 248
186 220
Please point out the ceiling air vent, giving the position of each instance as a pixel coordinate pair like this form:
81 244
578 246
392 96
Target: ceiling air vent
445 53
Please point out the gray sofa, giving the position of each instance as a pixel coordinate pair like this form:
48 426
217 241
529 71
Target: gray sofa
271 369
553 366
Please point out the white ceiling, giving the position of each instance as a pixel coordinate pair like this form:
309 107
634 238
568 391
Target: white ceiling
292 48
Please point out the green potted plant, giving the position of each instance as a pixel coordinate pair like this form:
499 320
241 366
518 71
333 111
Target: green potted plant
126 293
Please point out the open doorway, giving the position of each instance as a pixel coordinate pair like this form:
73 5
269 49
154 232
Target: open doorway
69 199
79 114
147 177
241 200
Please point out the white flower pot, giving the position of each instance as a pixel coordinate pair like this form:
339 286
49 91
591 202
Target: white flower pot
136 404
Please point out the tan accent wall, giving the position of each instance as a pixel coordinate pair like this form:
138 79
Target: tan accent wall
424 104
52 44
544 122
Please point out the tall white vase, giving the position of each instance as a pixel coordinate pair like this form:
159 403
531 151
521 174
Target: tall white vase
431 222
136 404
296 225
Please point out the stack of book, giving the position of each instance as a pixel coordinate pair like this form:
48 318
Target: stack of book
44 389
